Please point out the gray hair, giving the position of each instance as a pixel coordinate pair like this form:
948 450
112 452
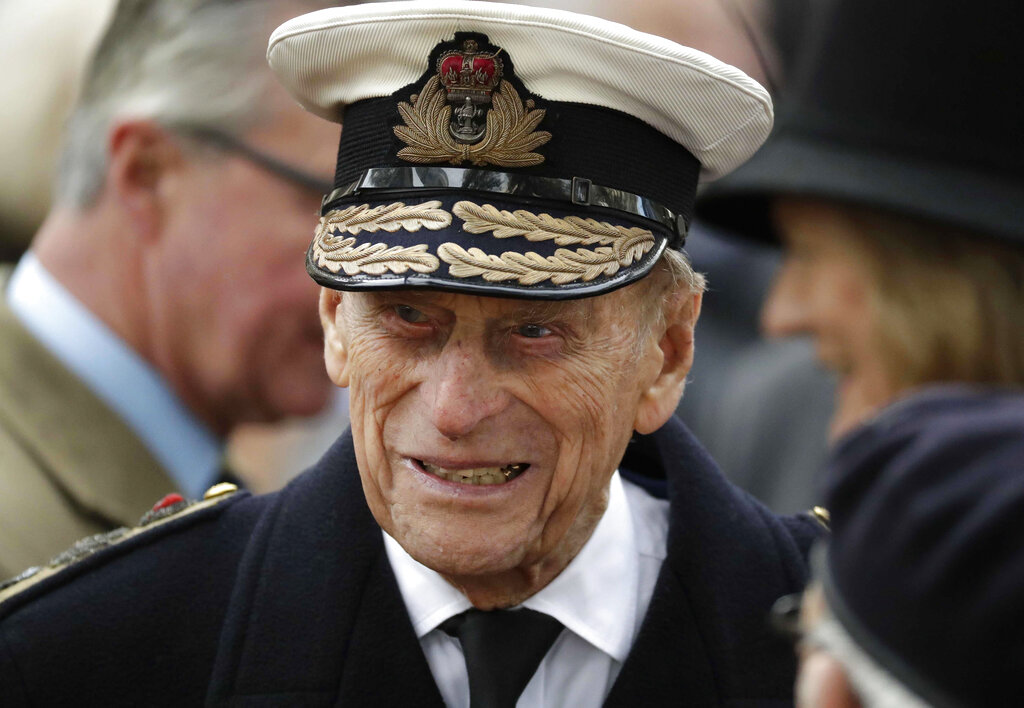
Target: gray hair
681 272
181 63
873 684
673 275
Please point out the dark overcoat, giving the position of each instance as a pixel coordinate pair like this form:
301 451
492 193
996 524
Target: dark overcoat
288 599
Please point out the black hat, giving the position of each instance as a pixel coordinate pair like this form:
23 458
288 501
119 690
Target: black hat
905 106
925 566
509 150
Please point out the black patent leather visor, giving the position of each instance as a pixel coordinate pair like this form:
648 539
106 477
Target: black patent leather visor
499 242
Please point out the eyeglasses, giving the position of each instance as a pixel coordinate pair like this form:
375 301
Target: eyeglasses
229 143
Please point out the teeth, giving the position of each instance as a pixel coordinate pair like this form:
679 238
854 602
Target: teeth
479 475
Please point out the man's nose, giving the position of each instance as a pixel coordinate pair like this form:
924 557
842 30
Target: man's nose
463 389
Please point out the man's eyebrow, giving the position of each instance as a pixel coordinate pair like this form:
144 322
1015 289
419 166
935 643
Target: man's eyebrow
547 311
404 297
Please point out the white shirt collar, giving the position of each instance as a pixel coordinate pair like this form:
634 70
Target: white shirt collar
116 374
595 596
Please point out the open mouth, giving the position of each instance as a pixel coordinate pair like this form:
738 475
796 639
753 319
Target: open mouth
477 475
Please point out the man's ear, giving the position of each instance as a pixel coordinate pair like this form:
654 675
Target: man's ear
659 400
142 157
335 349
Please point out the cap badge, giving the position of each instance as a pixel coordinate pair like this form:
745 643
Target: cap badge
469 78
466 112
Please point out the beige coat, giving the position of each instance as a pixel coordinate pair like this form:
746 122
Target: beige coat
69 467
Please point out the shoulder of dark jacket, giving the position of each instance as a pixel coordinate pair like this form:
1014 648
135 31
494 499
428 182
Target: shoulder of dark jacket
729 558
170 517
706 500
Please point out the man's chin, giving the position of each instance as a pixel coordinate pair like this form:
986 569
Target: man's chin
476 559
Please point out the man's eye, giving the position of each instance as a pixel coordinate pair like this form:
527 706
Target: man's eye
533 331
410 314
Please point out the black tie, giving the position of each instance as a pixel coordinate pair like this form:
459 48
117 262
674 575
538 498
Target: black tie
503 649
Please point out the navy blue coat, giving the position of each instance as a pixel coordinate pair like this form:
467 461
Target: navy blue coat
289 599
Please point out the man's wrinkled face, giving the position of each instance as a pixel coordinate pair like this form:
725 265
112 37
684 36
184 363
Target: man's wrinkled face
487 429
238 313
824 289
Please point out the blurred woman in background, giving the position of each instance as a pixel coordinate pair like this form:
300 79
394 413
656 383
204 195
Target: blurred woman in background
894 303
894 180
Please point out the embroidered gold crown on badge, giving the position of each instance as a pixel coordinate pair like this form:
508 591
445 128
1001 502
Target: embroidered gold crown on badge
467 112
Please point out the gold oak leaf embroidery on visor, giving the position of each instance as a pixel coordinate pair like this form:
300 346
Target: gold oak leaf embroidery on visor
509 140
619 246
335 248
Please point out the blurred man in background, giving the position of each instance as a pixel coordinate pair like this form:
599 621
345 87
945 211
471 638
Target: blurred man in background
161 303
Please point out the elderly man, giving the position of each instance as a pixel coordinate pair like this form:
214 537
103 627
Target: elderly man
916 599
506 299
160 304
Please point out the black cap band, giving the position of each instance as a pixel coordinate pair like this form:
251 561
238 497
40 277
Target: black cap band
380 181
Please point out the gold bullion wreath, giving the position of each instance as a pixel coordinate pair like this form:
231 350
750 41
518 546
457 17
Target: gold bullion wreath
614 247
509 140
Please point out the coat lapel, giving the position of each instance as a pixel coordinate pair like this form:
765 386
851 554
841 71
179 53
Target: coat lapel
705 640
317 617
668 662
385 663
669 659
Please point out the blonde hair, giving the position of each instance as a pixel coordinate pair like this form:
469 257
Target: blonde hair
948 302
